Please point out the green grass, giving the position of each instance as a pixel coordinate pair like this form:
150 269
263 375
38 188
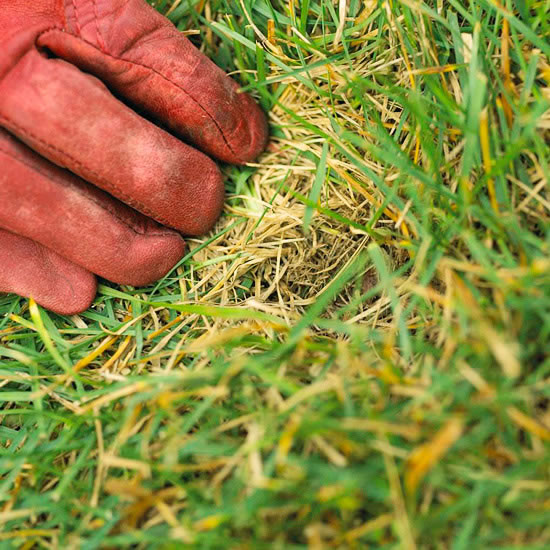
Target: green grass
379 379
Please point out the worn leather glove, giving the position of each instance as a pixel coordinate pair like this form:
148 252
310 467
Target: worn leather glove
99 101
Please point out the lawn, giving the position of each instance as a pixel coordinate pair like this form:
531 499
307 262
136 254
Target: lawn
358 355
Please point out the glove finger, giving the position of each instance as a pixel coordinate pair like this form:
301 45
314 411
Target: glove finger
73 120
85 225
32 270
143 57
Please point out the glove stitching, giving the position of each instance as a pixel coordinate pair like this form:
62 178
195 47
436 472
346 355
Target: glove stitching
79 30
97 29
87 197
127 200
201 107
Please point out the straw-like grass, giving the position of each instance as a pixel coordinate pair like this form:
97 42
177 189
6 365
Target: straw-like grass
357 356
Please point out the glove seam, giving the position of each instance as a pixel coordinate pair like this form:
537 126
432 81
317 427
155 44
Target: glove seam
124 197
77 23
100 40
154 71
87 197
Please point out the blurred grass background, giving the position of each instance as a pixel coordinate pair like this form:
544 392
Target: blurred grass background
357 356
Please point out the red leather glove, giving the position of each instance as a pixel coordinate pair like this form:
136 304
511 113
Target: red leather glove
75 155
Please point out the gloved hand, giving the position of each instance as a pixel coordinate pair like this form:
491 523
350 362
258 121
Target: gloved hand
95 96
